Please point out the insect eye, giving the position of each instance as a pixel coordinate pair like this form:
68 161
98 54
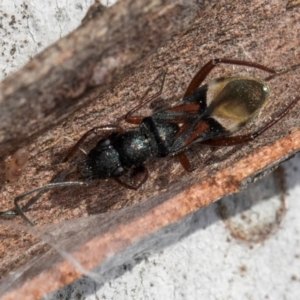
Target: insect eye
117 172
103 144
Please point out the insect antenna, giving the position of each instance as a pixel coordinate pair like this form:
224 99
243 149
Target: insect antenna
58 183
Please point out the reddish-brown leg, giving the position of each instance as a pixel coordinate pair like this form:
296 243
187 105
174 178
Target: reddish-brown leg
241 139
138 119
207 68
108 129
191 166
185 162
138 177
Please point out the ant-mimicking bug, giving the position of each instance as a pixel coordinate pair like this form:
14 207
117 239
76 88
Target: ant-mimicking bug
208 115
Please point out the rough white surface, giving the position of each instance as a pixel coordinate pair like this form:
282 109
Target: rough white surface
209 263
27 27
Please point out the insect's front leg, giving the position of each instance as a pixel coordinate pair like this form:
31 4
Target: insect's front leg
107 129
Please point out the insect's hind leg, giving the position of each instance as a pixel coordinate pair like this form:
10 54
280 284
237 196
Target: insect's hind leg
241 139
208 67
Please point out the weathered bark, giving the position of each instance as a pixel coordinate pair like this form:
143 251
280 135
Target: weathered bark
127 54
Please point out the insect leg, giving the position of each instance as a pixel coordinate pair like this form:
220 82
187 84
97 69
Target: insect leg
138 177
241 139
190 161
185 162
107 128
138 119
208 67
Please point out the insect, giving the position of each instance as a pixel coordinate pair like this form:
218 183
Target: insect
208 115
